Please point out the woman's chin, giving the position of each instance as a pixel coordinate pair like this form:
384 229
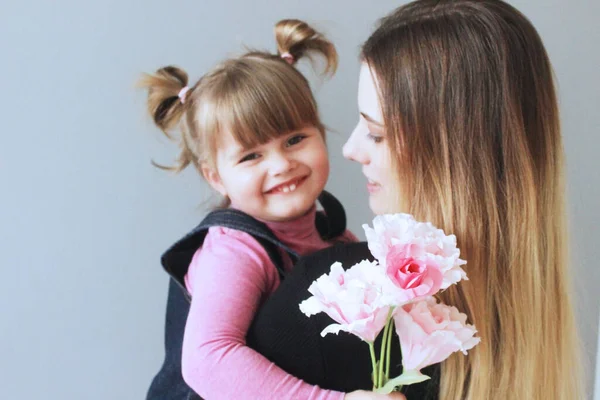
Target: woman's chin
377 206
380 205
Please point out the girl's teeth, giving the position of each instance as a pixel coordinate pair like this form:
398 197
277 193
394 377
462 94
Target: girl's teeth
287 189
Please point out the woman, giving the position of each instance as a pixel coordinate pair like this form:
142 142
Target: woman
458 126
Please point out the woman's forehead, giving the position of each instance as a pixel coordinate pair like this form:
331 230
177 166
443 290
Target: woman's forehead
368 98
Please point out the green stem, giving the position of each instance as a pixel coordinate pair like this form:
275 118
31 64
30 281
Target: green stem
389 349
383 349
374 364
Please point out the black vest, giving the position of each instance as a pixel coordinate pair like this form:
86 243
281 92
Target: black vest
168 384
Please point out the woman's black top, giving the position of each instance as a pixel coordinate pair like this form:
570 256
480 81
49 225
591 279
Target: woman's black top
293 341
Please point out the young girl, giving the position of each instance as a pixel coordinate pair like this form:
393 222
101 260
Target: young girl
251 127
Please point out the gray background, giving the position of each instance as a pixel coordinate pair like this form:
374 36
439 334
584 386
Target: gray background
84 217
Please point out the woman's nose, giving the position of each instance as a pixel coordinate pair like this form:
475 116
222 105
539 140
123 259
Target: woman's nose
352 149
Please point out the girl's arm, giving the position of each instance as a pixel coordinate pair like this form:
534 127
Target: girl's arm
228 279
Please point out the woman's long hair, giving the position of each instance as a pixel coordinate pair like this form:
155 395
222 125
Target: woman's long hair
471 116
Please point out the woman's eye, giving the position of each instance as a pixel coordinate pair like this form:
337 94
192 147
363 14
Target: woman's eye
249 157
295 140
375 138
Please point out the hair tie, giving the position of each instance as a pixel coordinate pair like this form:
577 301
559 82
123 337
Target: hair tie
182 94
288 58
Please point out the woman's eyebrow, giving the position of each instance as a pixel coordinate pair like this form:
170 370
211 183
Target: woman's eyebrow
371 120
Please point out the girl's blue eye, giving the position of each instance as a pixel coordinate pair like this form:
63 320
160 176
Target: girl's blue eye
295 140
375 138
249 157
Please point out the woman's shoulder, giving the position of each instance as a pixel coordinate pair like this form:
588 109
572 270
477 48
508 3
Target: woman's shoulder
346 237
315 264
347 250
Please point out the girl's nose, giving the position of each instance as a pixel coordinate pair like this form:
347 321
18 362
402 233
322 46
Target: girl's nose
280 164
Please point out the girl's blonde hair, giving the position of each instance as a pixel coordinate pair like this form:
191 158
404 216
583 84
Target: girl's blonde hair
471 116
255 97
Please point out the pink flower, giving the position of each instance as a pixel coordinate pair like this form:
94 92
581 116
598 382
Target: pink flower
416 276
352 298
422 240
430 332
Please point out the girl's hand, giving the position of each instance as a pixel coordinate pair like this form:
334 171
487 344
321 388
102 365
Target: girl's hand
364 395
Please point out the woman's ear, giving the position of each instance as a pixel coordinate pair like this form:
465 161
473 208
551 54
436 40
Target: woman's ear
214 180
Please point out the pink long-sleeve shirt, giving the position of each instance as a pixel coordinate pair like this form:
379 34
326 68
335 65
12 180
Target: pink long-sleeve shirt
229 278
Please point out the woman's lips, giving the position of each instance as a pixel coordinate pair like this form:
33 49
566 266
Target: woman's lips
373 186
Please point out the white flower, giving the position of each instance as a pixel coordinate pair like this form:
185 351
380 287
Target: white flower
430 332
352 298
427 243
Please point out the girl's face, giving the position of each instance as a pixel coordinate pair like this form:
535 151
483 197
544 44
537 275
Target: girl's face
368 146
277 181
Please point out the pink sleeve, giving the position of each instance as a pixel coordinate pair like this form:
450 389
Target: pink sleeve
228 279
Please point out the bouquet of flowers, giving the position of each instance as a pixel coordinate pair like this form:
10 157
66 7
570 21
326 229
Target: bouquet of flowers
414 261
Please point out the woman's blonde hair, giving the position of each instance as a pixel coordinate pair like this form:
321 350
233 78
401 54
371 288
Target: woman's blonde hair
256 97
471 116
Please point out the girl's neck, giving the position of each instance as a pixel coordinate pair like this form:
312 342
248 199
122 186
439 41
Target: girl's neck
296 229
